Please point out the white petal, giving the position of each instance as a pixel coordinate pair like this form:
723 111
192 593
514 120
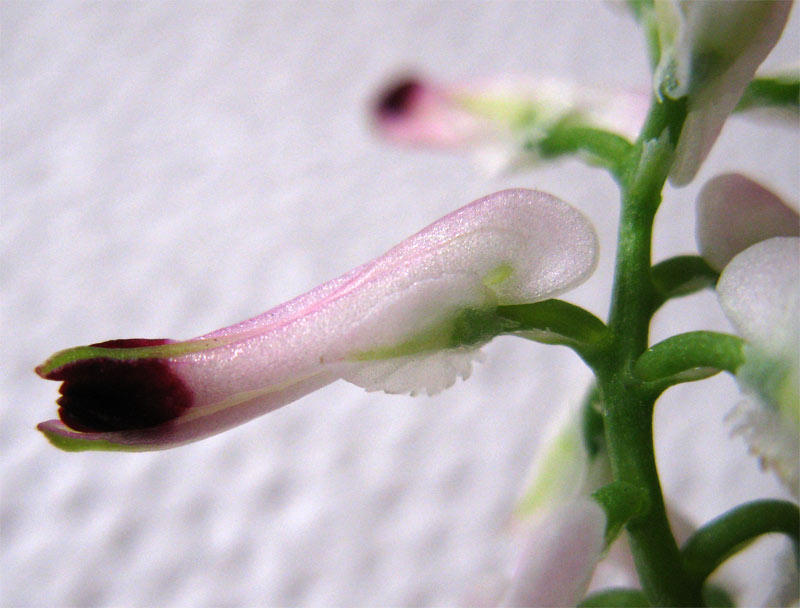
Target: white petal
559 557
760 294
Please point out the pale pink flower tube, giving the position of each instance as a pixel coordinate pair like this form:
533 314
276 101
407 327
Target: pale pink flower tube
407 321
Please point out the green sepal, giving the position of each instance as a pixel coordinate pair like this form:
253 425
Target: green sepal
592 425
470 327
615 598
160 351
557 322
688 357
780 91
680 276
731 532
622 502
77 444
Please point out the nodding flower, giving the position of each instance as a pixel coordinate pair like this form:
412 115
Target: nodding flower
411 320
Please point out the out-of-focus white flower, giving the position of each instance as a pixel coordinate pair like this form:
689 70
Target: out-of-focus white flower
709 53
734 212
559 556
760 294
410 320
563 470
501 120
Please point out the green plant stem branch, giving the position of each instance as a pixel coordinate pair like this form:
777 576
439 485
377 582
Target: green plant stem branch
680 276
672 358
628 402
556 322
771 92
603 148
707 548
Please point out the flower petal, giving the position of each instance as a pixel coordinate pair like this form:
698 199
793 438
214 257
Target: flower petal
760 294
734 212
373 325
559 557
710 53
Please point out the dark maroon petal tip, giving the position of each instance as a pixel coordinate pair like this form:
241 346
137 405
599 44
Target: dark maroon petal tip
103 394
398 98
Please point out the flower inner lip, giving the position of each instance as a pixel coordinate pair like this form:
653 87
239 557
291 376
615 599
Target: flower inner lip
104 394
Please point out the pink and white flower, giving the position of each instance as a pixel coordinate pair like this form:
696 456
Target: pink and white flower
500 120
760 294
754 235
411 320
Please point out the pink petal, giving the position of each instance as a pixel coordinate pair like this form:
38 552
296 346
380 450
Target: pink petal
734 212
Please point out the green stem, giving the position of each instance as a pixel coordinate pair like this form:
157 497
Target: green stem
604 148
732 531
555 322
681 276
627 400
671 359
771 92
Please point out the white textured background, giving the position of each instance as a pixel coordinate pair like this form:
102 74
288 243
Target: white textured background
168 169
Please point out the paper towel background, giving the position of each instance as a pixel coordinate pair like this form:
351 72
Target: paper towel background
168 169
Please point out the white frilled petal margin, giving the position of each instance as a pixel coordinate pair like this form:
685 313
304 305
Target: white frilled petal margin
710 52
499 119
734 213
400 323
760 294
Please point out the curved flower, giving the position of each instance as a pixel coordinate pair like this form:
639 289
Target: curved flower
709 53
760 294
734 212
410 320
501 120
